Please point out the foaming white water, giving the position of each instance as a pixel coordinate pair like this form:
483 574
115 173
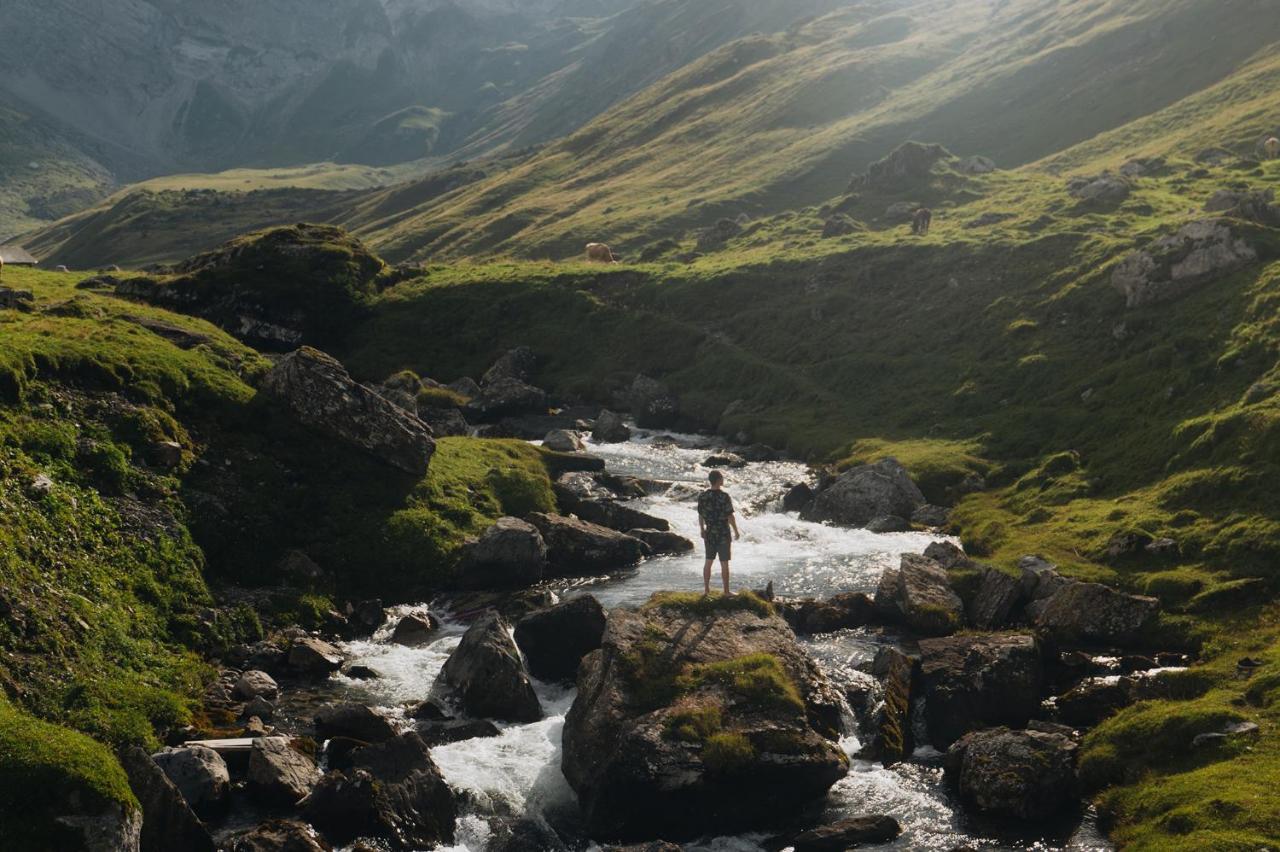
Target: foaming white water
518 773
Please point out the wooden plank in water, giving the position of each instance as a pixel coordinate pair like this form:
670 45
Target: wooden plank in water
224 747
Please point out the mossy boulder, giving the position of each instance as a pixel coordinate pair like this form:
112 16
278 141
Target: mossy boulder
699 716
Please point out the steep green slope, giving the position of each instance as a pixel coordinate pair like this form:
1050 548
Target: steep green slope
140 477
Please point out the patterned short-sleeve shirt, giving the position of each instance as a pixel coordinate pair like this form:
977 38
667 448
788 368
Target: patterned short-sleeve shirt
715 507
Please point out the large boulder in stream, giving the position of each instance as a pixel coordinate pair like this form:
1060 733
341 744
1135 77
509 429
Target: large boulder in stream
279 835
200 774
698 717
392 791
555 640
971 682
862 494
317 390
488 676
1026 775
278 773
167 820
918 593
578 548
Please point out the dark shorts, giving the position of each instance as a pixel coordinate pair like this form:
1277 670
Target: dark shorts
719 547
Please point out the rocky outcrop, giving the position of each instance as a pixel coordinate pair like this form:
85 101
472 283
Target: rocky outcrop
1198 253
488 676
510 554
663 542
317 390
392 791
1027 775
844 611
1255 205
864 493
580 549
353 721
840 225
564 441
688 724
200 774
918 594
904 167
280 836
1091 613
519 364
998 598
254 683
971 682
555 640
1100 189
167 820
278 773
582 494
976 165
897 676
610 428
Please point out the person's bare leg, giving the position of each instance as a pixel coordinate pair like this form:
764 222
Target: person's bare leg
706 577
724 575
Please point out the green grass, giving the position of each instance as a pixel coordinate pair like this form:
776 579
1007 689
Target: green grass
42 768
757 679
709 605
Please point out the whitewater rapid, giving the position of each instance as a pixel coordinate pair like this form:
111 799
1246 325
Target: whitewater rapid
518 773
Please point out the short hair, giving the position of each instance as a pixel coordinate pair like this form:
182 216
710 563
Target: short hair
715 476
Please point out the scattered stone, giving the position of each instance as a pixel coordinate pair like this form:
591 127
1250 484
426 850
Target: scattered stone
1091 701
392 791
200 774
488 675
1254 205
897 672
40 486
976 165
652 403
1026 775
366 616
610 429
354 721
510 554
970 682
903 168
1100 189
1040 581
464 387
846 834
919 594
166 454
986 220
710 239
584 495
889 524
414 629
901 211
1172 265
362 673
168 823
259 707
581 549
636 775
729 460
866 492
564 441
254 727
12 299
318 391
523 835
278 773
253 684
662 542
946 554
846 611
555 640
840 225
280 836
314 658
1232 731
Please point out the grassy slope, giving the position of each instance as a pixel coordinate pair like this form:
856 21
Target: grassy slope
1002 350
105 580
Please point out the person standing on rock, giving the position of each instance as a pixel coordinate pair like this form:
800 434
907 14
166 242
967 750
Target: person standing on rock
715 521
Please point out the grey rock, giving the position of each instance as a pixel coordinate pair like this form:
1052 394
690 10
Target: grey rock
354 721
578 548
971 682
564 441
1026 775
510 554
317 390
200 774
555 640
1091 613
976 165
168 822
278 773
505 397
929 515
1100 189
662 542
846 834
253 684
488 675
519 364
652 403
610 428
415 628
1199 252
889 524
314 657
998 597
280 836
918 593
866 492
904 167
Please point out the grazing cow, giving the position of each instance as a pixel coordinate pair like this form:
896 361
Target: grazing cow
1272 148
921 221
599 253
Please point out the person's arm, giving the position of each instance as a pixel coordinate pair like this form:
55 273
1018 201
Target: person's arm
733 522
702 522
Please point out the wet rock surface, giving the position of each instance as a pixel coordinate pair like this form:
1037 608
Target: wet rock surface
487 674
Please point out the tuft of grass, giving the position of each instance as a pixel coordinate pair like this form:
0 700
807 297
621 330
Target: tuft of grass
708 605
758 679
727 752
695 721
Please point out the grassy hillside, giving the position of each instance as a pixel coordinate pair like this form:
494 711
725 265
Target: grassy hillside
112 560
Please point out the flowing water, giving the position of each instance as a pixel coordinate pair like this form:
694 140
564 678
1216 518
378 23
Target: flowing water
518 772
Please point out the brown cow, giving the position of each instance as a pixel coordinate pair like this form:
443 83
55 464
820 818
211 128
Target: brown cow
1272 148
921 221
599 253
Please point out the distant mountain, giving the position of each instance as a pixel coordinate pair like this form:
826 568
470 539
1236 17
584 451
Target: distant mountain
114 91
